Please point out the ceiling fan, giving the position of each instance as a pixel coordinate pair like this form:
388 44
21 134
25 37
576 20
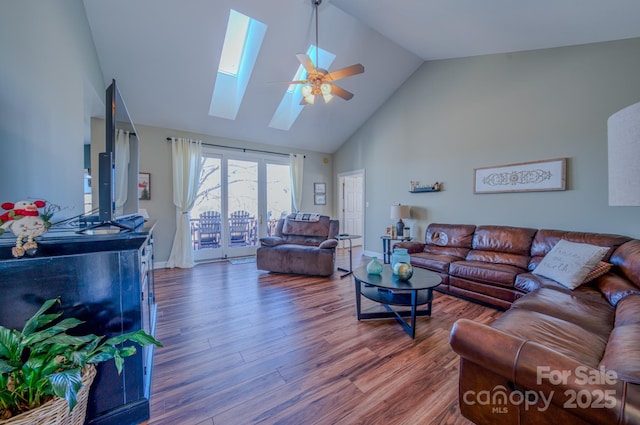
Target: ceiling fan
319 81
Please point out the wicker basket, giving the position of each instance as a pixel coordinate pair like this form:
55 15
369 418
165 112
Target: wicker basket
56 411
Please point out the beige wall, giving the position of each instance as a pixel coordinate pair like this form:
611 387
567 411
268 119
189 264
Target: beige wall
155 158
453 116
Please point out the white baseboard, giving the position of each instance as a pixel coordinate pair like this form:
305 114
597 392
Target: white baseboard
373 254
160 265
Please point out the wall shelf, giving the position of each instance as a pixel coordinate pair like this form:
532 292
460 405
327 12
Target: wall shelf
424 189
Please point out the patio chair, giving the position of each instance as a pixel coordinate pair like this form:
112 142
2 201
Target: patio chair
209 229
239 227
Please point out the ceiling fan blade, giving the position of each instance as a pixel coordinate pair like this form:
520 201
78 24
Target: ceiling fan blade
306 63
339 91
290 82
346 72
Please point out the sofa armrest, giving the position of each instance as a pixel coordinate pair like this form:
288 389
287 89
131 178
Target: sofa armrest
535 370
328 244
411 247
272 241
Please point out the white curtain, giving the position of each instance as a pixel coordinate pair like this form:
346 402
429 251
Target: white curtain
297 166
122 170
187 164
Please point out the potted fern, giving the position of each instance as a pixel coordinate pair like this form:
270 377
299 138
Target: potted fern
45 373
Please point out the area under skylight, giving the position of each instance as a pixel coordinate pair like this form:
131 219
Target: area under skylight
242 43
290 107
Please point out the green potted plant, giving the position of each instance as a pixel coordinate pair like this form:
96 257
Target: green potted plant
43 365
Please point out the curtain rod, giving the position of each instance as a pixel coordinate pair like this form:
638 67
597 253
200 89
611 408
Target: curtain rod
241 149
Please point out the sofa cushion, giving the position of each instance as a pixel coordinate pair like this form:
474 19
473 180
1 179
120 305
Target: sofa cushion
546 239
627 258
529 282
623 353
450 235
512 240
566 338
497 274
593 313
569 262
516 260
329 243
435 262
627 311
318 229
272 241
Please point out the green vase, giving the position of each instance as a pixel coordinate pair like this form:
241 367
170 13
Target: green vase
374 266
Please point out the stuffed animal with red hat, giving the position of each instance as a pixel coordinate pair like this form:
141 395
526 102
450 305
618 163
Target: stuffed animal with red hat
24 221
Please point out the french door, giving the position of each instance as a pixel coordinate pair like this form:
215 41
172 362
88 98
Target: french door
240 198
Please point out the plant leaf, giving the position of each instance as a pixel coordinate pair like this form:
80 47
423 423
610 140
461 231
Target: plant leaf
139 337
103 354
66 384
49 332
9 344
32 324
6 367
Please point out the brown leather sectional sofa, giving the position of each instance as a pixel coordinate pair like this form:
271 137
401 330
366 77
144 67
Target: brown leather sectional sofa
557 356
300 247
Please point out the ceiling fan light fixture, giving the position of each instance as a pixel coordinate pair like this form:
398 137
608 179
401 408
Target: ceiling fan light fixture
309 96
319 80
325 89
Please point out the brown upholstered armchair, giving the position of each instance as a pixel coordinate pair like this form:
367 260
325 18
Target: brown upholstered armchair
303 244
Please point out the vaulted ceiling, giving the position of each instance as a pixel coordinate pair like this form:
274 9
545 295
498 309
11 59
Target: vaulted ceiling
164 54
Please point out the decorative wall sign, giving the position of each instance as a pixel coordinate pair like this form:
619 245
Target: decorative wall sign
144 186
533 176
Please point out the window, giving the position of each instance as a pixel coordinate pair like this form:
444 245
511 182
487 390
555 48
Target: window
242 44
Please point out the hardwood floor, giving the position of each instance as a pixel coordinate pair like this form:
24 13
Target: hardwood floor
243 346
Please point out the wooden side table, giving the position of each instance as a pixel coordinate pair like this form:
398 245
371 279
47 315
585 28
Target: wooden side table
386 246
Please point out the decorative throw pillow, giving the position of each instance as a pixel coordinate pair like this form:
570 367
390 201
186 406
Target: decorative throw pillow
600 270
312 217
569 263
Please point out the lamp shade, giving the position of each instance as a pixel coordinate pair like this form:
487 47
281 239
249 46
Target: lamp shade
399 211
623 130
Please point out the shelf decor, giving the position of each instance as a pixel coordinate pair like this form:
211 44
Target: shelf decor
415 187
535 176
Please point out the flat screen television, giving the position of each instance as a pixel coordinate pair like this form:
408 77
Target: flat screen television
118 167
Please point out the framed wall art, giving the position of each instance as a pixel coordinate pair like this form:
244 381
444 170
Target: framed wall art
144 186
320 194
535 176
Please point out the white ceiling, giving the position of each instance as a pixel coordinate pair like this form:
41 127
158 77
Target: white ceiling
164 53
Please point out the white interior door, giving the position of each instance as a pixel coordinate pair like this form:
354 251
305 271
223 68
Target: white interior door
352 195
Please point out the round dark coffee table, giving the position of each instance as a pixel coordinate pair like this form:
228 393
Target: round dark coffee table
388 290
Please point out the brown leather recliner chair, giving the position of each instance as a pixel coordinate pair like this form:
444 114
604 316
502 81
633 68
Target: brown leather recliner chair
300 247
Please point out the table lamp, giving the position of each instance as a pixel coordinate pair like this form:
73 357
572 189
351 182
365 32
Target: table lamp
399 212
623 134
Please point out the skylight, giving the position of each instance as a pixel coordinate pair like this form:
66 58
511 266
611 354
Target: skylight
242 44
237 29
290 107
